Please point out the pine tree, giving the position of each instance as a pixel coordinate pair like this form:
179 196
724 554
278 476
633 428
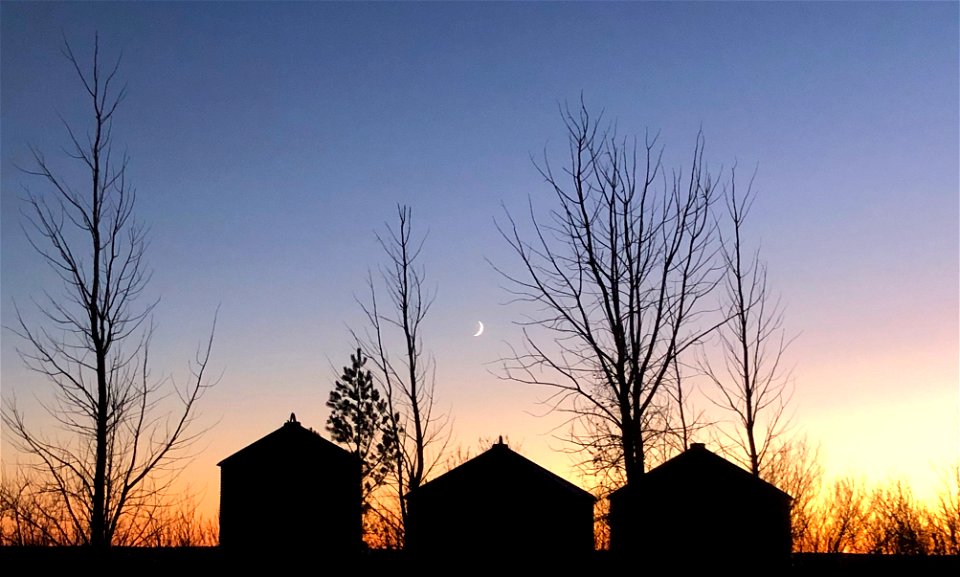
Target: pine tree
359 419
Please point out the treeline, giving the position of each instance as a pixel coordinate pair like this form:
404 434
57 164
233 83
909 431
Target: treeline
850 517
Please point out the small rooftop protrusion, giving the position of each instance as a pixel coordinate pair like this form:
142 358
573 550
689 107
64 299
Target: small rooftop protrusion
697 446
500 440
293 420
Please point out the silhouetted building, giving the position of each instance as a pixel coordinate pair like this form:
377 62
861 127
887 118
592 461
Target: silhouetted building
291 490
699 510
500 505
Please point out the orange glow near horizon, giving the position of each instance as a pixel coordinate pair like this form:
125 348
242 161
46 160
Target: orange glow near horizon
857 445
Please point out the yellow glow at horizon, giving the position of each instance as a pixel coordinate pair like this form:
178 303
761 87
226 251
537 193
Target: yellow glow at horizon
877 445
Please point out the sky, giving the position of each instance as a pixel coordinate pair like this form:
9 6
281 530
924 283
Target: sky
270 143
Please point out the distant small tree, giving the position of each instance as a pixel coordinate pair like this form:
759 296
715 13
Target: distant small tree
944 519
896 523
795 468
842 519
360 420
28 515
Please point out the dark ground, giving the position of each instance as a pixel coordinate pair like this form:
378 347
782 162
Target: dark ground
181 562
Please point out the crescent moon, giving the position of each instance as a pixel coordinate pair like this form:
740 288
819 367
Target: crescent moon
479 329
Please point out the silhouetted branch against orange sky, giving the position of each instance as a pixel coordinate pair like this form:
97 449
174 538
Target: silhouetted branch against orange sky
115 452
945 516
616 282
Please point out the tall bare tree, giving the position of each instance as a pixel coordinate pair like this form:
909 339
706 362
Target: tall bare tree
116 448
752 384
405 372
617 280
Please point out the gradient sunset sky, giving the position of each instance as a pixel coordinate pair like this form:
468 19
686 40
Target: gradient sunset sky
270 142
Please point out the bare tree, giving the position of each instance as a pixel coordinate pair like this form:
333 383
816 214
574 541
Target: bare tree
842 518
896 524
617 281
752 383
944 518
116 450
407 377
795 468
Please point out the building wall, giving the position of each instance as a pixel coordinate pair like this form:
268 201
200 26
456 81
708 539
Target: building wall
512 518
701 522
288 501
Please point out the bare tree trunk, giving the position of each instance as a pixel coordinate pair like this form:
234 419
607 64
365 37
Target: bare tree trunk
411 315
742 313
98 522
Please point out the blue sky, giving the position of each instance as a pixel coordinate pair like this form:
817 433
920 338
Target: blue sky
270 142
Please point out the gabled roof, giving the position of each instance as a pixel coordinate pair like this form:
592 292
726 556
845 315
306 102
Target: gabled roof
290 439
499 462
697 464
